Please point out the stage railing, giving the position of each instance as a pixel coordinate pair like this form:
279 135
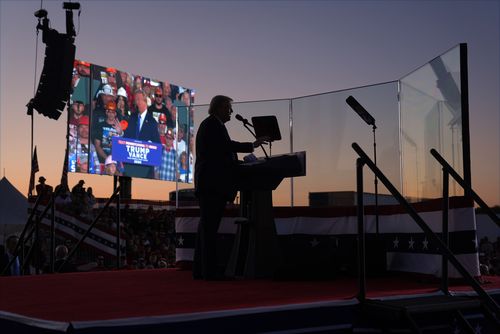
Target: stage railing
116 194
447 171
363 160
34 229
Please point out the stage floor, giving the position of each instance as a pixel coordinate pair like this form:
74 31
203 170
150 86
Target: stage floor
143 293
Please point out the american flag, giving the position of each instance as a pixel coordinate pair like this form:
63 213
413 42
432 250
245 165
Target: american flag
34 170
64 176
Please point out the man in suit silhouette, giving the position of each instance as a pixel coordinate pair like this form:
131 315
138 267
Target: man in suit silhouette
141 126
216 177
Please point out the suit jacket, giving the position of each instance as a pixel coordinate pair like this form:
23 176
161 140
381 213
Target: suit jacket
149 130
216 168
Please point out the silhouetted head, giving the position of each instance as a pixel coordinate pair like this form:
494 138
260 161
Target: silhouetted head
61 251
220 106
10 243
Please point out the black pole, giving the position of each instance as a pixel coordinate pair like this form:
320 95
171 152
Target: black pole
52 234
446 206
32 134
36 260
361 230
23 252
467 187
435 240
118 231
464 104
376 179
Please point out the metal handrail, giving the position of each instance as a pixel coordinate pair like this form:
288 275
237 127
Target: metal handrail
467 187
75 248
434 239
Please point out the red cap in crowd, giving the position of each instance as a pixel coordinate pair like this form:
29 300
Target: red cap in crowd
84 120
162 118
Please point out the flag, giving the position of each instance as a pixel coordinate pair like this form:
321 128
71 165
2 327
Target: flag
64 176
34 170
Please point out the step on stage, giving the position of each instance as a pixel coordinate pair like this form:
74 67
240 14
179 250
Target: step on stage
169 300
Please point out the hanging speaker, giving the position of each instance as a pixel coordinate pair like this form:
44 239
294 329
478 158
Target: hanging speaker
54 87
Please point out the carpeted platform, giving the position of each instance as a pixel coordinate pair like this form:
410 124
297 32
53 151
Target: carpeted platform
98 296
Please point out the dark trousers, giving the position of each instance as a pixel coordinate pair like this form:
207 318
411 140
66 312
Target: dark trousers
205 253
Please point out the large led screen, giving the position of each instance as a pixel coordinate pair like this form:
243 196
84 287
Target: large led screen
129 125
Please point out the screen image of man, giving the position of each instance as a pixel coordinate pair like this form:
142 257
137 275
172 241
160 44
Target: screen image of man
141 126
216 177
76 112
104 96
158 108
167 171
105 131
82 156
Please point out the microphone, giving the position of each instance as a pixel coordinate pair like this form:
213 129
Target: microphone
243 120
246 123
358 108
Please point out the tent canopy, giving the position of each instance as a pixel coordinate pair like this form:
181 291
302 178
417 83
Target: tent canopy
13 210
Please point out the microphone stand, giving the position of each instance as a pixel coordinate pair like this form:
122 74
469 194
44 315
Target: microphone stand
246 124
376 180
365 115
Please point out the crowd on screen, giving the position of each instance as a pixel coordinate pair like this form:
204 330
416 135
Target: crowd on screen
133 107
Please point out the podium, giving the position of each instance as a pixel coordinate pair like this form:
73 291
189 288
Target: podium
255 252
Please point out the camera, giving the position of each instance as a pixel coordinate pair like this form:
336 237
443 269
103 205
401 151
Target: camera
41 13
71 5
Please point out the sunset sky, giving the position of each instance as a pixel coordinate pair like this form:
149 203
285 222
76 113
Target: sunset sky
249 50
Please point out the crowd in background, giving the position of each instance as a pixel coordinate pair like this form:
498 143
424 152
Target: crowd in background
149 234
489 256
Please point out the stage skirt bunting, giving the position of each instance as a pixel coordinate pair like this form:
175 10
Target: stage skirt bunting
326 237
139 204
68 226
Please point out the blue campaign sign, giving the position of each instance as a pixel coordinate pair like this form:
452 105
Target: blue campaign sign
136 152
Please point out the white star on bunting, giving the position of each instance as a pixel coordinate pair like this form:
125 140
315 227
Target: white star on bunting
425 243
314 242
395 243
411 243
